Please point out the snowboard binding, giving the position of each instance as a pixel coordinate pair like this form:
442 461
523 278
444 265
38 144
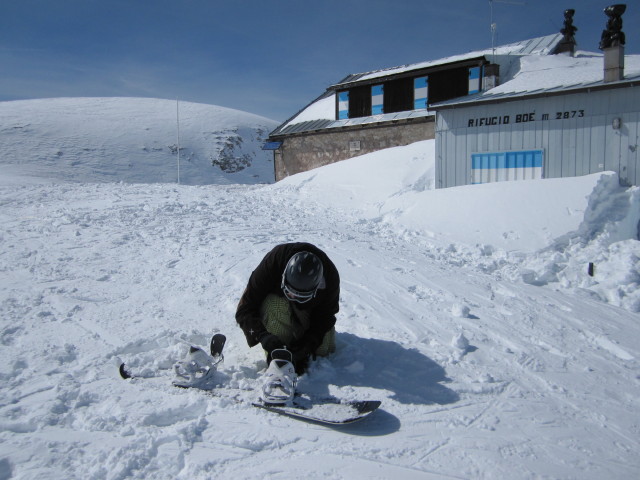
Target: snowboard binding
280 379
198 367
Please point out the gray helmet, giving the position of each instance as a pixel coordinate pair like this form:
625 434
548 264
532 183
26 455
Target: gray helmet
302 276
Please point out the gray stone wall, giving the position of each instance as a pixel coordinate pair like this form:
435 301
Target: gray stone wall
304 152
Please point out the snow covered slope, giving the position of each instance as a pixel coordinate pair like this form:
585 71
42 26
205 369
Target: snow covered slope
494 357
133 140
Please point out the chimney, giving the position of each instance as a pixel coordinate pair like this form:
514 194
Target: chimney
491 76
612 44
568 42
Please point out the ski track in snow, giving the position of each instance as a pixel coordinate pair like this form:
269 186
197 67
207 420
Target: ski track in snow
480 376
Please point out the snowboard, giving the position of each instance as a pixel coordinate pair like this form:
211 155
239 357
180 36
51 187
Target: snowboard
327 411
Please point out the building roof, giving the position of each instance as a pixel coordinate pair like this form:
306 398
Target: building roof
320 114
323 124
535 46
551 75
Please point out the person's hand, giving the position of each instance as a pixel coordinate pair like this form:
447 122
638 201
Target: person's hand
300 357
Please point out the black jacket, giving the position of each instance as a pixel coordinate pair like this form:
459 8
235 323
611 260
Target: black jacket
267 278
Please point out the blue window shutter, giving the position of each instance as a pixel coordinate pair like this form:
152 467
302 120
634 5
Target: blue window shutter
377 99
474 80
343 105
420 92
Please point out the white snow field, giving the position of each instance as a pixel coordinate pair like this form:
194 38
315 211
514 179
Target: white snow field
134 140
468 311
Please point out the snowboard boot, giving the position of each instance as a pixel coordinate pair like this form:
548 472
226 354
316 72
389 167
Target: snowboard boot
280 379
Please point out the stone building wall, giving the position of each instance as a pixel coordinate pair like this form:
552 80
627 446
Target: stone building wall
310 150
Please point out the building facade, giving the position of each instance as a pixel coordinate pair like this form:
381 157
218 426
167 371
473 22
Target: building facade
530 110
572 115
312 149
562 133
386 108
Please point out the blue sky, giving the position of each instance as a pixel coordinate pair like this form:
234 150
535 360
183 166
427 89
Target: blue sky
269 57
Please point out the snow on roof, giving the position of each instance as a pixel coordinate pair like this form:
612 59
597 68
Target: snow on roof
536 46
553 73
322 108
317 115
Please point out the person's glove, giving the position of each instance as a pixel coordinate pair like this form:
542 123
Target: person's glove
270 343
301 354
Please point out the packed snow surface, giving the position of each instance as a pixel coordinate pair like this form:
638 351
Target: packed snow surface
468 311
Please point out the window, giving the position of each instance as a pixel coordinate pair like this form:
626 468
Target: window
409 93
504 166
398 95
360 101
448 84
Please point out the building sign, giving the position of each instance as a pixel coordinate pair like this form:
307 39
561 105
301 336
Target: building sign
523 118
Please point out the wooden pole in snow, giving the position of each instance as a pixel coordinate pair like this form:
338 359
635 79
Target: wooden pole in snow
178 135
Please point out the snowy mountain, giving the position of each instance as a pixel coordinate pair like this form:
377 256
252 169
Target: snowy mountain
134 140
470 312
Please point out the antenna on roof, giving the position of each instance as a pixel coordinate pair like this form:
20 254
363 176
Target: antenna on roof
494 26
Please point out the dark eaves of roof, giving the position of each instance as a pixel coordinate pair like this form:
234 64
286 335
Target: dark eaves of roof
486 98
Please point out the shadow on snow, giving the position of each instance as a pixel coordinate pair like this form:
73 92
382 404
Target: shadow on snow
412 377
